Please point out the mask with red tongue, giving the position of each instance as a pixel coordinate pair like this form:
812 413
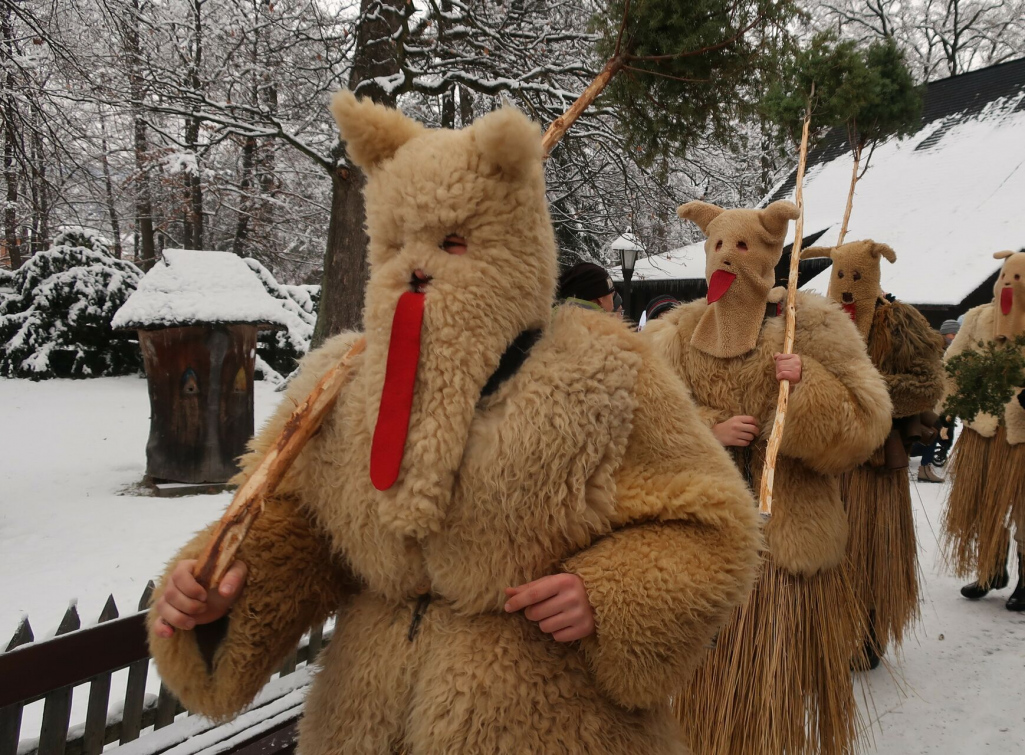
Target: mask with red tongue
1009 304
852 310
718 284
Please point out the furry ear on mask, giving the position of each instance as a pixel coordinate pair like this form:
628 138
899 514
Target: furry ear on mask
776 216
884 250
509 140
1002 255
816 251
372 133
699 213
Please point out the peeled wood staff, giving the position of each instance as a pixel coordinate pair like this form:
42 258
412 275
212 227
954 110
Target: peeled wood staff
776 436
247 504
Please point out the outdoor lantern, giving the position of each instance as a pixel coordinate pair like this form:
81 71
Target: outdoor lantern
628 249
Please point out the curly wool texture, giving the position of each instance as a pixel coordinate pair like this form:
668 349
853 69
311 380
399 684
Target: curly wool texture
881 549
909 355
293 583
979 327
838 415
591 458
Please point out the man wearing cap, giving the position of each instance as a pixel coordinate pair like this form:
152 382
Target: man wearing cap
587 285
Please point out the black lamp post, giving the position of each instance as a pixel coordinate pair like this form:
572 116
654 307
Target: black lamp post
628 250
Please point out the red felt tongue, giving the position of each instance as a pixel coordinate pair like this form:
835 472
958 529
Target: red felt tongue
1006 300
851 309
718 285
397 396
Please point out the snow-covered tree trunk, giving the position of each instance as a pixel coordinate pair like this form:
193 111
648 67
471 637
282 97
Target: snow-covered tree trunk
11 138
193 220
115 224
136 83
345 267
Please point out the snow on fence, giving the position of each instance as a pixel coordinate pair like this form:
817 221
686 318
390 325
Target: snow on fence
86 660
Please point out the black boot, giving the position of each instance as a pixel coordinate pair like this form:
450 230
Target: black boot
1017 600
974 591
868 658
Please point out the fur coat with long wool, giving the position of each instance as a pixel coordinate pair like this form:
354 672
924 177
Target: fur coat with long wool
591 459
838 414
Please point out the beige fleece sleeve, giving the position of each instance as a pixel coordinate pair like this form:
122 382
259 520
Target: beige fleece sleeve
685 554
840 412
293 583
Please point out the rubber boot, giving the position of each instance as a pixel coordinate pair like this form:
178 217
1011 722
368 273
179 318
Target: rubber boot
974 591
1017 600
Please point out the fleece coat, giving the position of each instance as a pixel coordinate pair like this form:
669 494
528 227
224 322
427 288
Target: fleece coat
777 680
988 464
590 459
838 414
907 352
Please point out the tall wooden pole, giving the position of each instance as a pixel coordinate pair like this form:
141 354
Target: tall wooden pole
850 194
561 125
247 504
776 436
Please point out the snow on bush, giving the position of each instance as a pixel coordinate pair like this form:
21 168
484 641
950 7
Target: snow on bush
278 351
56 320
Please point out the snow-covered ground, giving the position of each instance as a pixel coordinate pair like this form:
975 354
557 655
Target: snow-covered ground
68 532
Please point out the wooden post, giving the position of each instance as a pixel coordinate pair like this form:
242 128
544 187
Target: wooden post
10 715
99 698
135 691
315 644
776 436
560 125
53 733
850 194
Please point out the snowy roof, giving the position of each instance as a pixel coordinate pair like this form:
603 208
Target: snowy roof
945 198
627 243
190 287
683 263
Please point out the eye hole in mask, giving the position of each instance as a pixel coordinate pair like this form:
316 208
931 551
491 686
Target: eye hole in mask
742 246
839 274
718 245
857 275
454 244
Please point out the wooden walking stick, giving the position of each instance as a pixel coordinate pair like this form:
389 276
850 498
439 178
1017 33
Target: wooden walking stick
776 436
247 504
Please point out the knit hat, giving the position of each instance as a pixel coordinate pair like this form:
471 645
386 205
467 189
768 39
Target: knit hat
949 327
659 306
586 281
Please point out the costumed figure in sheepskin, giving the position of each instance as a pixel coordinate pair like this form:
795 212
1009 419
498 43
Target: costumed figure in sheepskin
488 463
778 680
987 497
908 353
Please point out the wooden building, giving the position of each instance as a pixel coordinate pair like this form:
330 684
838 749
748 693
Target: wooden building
197 314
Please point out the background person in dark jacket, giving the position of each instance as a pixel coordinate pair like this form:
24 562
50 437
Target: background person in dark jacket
935 455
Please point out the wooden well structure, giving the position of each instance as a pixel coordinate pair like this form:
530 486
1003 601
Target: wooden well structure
197 314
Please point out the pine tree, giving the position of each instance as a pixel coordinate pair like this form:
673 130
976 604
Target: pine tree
56 321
